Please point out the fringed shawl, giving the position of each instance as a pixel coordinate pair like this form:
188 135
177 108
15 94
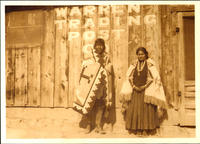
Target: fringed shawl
154 93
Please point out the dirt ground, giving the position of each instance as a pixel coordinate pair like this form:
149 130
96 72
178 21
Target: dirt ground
64 123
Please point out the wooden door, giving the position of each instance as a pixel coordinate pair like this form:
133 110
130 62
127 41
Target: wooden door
187 68
37 58
23 48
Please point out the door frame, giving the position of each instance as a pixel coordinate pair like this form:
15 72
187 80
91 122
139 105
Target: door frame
181 66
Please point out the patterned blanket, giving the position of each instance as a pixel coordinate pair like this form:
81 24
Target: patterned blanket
89 79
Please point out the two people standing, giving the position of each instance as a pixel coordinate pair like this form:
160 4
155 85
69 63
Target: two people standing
141 105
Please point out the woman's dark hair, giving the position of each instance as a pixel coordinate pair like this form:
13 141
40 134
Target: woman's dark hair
143 50
100 41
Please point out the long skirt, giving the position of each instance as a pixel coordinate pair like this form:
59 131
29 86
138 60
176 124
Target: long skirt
140 115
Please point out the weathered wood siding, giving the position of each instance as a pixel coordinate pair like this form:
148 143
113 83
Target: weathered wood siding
47 60
119 46
45 48
61 58
75 49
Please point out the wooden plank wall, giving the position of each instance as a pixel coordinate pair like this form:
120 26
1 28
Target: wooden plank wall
187 111
167 52
44 70
48 60
33 76
104 26
135 24
171 51
61 58
23 69
119 46
10 76
74 38
175 98
145 30
10 70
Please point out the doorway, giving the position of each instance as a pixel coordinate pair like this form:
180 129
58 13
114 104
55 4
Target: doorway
187 68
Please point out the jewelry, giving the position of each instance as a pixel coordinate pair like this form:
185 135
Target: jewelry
139 69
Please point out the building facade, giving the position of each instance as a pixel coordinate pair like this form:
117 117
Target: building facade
46 45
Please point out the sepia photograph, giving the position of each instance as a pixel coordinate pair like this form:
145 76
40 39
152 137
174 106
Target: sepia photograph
100 71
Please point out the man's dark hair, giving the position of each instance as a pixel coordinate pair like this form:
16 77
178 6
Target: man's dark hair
100 41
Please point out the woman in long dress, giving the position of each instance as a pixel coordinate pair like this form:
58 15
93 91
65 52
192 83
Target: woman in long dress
141 107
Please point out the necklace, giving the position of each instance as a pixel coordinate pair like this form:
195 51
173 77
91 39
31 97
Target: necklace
140 67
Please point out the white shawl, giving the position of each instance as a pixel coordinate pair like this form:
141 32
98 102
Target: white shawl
154 93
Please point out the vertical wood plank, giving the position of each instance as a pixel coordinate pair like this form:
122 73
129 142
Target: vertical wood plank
33 76
167 53
174 45
134 31
61 82
74 37
47 60
64 64
151 31
143 29
157 37
89 30
104 26
165 41
119 45
181 68
10 68
10 76
57 98
21 77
